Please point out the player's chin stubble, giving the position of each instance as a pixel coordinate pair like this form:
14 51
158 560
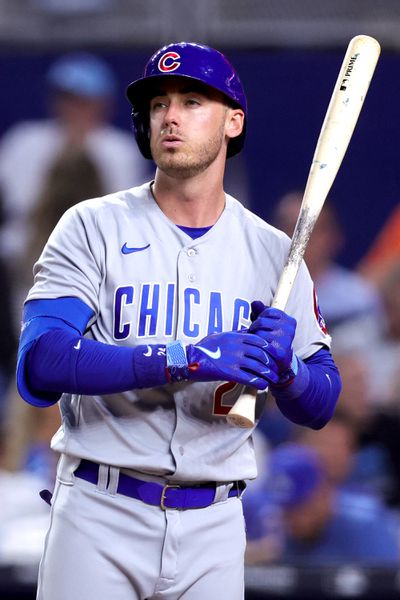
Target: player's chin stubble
190 161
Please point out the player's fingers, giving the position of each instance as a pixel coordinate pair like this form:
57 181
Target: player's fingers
256 341
257 308
268 324
280 353
260 361
259 354
260 379
272 313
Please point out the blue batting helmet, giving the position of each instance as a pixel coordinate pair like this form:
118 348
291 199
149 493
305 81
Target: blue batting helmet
194 61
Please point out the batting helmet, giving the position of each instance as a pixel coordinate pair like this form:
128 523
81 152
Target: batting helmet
193 61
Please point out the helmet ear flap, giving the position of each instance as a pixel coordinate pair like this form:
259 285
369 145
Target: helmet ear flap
142 133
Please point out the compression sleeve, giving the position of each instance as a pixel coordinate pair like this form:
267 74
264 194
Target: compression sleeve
63 361
39 317
54 357
312 396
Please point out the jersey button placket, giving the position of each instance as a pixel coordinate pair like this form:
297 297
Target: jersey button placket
191 252
188 278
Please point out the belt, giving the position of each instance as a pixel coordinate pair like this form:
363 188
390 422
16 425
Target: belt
165 496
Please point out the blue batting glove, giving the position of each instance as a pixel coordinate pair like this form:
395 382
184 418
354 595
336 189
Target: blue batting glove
227 356
257 308
278 329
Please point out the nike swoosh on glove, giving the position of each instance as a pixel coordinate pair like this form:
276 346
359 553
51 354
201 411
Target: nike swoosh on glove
227 356
278 329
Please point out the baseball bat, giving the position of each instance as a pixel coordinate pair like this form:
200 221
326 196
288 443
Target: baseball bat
340 120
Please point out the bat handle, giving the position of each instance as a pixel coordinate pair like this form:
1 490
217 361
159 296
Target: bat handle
243 412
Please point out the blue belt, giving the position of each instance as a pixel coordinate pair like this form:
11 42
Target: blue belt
165 496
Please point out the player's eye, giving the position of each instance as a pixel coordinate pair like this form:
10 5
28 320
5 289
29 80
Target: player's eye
157 103
193 102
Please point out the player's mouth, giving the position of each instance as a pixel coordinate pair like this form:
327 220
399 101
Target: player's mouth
171 141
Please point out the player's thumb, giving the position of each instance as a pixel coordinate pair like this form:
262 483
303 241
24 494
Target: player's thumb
256 309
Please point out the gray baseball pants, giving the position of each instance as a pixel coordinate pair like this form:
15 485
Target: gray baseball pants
106 546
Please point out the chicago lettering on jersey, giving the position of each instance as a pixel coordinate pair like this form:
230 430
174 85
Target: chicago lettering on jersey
154 309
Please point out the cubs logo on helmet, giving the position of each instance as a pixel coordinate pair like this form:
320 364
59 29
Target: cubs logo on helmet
169 62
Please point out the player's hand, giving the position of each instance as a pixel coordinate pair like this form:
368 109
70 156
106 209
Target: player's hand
228 356
232 356
278 330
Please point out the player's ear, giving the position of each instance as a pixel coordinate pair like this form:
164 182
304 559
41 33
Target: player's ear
234 122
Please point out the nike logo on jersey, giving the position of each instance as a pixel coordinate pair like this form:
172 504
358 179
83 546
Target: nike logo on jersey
126 250
78 345
215 354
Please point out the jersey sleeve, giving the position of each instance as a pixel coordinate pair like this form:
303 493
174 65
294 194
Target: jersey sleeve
311 333
71 262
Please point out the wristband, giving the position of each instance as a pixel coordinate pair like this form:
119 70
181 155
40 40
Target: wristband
288 376
177 364
294 365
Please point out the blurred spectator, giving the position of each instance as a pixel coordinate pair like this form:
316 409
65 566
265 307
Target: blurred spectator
27 440
384 251
316 529
72 177
336 444
8 336
350 305
81 92
24 517
274 426
385 352
376 466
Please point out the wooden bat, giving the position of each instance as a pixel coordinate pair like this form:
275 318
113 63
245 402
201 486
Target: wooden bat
340 120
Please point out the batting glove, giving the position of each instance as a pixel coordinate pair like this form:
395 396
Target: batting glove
277 329
228 356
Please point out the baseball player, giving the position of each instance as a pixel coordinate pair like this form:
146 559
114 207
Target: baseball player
146 319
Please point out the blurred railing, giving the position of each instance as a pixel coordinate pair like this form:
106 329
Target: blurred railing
325 583
276 582
238 23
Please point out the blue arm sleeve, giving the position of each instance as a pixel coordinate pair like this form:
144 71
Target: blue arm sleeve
63 361
312 396
55 358
41 316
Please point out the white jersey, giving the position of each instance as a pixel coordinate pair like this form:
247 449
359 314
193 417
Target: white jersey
148 282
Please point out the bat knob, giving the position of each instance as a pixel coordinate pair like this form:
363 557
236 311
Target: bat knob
242 413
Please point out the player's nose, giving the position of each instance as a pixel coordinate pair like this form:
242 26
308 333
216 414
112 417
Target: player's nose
171 115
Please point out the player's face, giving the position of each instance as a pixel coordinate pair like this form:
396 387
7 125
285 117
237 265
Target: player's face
190 126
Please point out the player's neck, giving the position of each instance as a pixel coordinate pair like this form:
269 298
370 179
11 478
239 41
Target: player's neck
194 202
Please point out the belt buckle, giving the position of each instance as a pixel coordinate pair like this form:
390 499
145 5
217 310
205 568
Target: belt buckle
164 492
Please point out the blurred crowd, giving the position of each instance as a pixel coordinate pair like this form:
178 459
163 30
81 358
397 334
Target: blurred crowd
322 497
